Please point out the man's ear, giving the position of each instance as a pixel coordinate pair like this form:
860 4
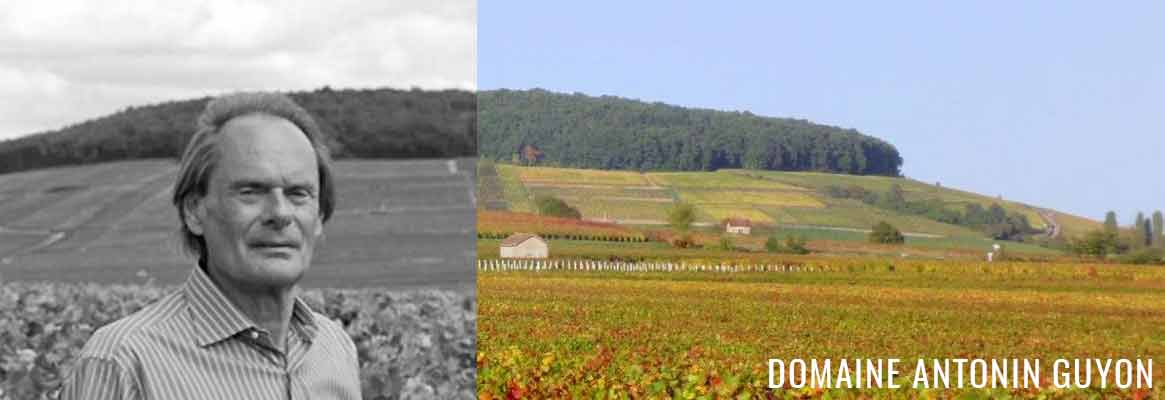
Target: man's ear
195 213
319 231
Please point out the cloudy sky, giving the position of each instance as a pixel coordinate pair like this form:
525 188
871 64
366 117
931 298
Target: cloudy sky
66 61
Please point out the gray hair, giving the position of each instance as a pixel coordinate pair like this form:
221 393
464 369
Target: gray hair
202 153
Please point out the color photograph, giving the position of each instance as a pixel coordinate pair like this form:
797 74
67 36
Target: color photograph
812 200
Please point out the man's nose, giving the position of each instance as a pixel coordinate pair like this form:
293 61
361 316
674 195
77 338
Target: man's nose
278 211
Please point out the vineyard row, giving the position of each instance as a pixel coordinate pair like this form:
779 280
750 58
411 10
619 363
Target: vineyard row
633 238
619 266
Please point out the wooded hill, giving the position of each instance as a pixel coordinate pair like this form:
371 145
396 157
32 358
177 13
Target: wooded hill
372 123
576 130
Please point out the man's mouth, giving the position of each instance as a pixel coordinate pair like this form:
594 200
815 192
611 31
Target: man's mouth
274 244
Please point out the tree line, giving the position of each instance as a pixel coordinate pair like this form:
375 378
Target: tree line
993 220
576 130
371 123
1142 243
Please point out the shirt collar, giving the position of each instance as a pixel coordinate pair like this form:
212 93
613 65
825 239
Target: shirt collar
216 318
303 320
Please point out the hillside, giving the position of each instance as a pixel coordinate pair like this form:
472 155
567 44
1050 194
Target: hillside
394 224
357 123
615 133
768 198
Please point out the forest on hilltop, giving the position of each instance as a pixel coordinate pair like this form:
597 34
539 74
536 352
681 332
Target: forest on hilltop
576 130
372 123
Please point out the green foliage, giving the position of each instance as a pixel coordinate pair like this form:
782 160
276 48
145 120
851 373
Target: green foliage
1158 225
725 243
1110 222
773 245
894 199
615 133
555 207
514 193
1146 233
994 220
834 191
1142 231
356 123
488 186
885 233
795 245
680 216
850 191
1059 243
1147 255
1098 243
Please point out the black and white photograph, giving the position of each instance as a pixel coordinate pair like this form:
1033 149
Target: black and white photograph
206 199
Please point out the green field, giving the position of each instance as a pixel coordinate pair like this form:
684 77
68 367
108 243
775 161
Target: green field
752 198
705 335
714 213
488 187
575 176
615 202
406 223
853 213
786 200
717 180
513 191
913 190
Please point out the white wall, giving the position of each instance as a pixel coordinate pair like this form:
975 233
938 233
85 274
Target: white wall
531 248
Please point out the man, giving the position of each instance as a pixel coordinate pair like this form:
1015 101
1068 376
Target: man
252 199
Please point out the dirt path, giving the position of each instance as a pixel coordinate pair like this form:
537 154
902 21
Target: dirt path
1050 220
50 238
618 198
23 231
654 184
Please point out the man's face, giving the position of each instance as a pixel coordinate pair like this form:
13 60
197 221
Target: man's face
260 217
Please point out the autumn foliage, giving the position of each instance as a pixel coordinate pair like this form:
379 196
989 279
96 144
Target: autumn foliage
499 224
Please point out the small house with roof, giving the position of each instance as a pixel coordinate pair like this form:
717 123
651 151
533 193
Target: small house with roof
739 226
524 245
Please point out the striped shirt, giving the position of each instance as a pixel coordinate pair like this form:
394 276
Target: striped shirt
195 344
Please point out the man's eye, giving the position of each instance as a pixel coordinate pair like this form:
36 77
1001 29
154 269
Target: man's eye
300 194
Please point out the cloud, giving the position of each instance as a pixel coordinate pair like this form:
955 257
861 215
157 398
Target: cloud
65 61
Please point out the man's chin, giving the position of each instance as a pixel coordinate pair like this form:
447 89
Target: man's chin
278 272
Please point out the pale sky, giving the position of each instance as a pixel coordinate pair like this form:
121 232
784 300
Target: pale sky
67 61
1053 103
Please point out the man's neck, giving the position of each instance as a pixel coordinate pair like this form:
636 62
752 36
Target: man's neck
268 307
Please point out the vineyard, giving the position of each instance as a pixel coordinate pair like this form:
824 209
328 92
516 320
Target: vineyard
779 199
417 343
580 176
498 225
690 334
914 190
